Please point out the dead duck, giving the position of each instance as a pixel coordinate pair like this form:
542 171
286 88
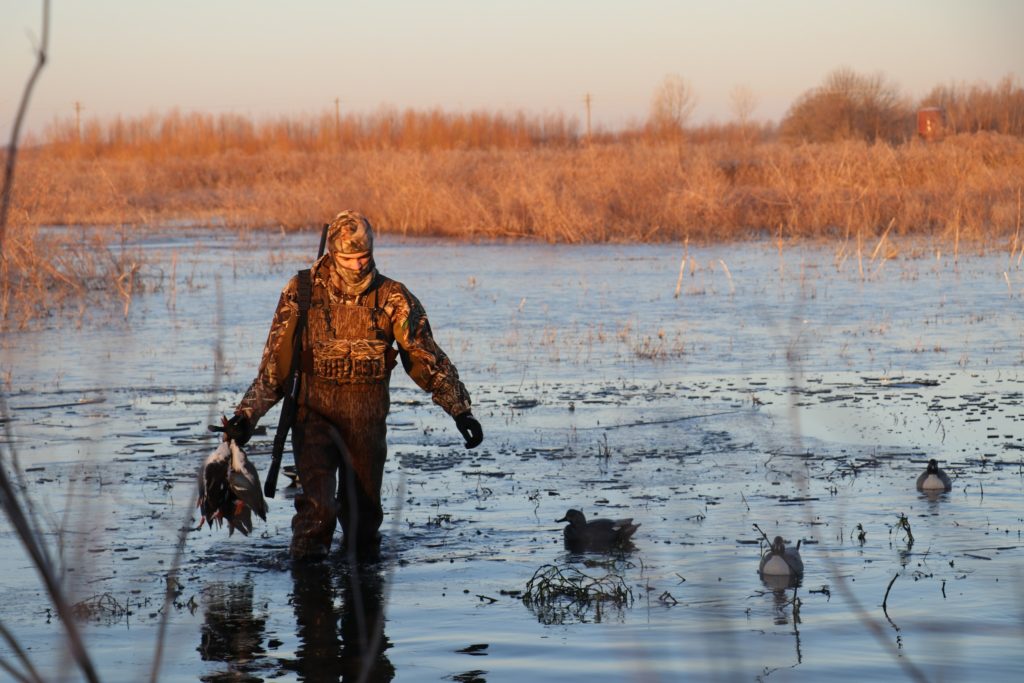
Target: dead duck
229 490
215 496
597 534
782 561
933 479
245 482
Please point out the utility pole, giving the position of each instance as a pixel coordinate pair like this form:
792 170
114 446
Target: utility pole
586 100
78 121
337 120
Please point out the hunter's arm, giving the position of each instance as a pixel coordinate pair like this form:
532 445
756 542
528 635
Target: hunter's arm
272 379
422 358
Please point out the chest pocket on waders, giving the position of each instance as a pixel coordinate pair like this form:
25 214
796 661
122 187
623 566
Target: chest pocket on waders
356 361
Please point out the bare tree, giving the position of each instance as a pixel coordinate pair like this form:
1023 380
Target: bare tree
672 105
743 102
849 105
978 107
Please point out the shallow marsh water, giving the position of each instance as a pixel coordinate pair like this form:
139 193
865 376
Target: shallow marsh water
799 391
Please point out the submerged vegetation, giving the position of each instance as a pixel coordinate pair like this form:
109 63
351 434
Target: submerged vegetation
560 594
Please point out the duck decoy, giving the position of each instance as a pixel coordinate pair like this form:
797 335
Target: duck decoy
229 490
934 479
597 534
782 561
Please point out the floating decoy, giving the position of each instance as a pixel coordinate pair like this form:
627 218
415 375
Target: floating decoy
229 490
934 479
781 561
597 534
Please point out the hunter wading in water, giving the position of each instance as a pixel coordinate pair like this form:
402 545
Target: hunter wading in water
354 316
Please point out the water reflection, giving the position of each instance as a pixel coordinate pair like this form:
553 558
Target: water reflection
232 633
340 628
787 608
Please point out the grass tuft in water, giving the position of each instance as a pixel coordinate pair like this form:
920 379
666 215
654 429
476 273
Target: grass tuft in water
560 594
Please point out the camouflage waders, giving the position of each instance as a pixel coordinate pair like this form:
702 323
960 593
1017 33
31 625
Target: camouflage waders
355 319
346 367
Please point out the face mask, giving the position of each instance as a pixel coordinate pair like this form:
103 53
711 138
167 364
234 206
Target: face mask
354 282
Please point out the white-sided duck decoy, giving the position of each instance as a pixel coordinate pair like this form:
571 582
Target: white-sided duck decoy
934 479
782 561
597 534
229 490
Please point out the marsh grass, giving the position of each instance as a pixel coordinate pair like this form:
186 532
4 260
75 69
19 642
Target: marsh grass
963 190
45 274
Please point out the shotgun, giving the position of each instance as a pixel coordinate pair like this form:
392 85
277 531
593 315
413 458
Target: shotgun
291 400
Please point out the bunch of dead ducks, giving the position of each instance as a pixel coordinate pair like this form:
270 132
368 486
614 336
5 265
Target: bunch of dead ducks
229 490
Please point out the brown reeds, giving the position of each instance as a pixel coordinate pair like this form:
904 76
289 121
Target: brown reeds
44 272
964 188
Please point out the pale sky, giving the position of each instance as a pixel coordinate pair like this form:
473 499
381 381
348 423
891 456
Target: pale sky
266 58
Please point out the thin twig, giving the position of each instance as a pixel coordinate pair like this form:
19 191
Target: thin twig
179 549
886 598
12 148
13 643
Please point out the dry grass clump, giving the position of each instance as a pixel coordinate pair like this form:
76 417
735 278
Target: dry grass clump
44 272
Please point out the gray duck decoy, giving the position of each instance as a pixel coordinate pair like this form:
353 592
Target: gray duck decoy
934 479
597 534
782 561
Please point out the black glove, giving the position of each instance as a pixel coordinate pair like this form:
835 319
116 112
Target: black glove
237 429
470 429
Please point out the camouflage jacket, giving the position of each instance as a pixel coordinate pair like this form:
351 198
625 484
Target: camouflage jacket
421 357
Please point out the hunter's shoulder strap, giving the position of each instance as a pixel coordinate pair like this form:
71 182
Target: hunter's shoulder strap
304 290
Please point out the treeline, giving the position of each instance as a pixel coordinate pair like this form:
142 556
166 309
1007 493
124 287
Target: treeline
846 106
849 105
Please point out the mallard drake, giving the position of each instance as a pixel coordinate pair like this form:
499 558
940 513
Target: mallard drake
934 479
229 490
781 561
597 534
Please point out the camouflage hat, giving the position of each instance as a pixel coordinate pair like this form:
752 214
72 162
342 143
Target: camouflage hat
350 233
